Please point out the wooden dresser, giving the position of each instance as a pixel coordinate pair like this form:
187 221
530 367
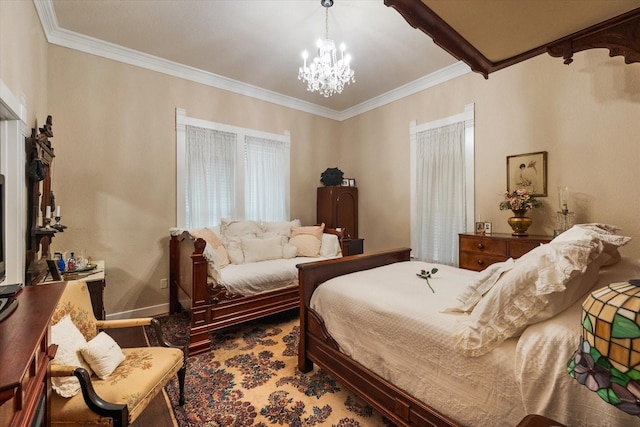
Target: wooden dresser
478 251
24 357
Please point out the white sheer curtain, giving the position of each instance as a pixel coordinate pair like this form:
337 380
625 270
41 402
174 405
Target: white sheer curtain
210 191
266 179
440 193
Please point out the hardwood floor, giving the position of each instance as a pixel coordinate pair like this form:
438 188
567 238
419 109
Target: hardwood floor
158 413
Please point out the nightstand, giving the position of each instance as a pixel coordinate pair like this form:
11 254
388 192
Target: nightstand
478 251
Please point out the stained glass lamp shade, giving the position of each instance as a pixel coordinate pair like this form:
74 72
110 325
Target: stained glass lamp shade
608 358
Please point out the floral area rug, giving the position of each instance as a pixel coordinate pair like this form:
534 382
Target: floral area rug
250 378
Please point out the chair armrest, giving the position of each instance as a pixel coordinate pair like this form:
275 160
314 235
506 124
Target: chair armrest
123 323
141 321
119 413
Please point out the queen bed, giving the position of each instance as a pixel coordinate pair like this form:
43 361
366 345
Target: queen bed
486 348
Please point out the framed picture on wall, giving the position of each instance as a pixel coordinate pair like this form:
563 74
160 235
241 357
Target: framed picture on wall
528 171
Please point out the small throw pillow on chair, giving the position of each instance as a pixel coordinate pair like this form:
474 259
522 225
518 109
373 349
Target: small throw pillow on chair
103 354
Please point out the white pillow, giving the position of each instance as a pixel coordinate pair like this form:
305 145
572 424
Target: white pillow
103 355
282 228
289 251
330 246
69 340
471 295
604 233
234 251
230 229
256 249
521 294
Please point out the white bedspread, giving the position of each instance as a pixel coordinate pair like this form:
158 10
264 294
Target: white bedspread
399 332
262 276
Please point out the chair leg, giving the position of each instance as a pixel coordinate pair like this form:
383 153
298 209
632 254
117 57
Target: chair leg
181 375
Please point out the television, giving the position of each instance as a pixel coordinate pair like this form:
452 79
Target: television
3 270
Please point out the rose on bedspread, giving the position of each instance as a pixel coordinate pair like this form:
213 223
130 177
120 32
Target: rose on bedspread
426 274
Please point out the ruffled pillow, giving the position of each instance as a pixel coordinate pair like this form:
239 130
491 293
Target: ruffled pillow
471 295
522 293
230 229
69 340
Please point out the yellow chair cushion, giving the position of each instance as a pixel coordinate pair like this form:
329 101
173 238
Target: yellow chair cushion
134 382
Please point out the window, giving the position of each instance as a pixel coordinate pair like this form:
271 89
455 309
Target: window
442 186
229 172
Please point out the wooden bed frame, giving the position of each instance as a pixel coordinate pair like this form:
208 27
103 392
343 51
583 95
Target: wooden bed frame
317 346
211 306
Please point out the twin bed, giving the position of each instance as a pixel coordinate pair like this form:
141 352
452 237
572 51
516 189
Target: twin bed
485 348
260 287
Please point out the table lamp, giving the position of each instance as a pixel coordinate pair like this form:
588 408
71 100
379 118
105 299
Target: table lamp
608 358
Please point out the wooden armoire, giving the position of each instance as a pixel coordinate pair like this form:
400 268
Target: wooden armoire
337 207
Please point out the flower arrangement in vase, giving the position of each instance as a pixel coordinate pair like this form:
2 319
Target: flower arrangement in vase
519 202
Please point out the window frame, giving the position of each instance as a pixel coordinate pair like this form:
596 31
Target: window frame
182 121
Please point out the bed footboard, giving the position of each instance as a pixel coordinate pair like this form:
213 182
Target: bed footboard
317 346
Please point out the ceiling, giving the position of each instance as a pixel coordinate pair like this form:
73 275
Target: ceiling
255 46
260 42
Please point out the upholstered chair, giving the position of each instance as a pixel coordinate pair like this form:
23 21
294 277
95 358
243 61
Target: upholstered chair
105 385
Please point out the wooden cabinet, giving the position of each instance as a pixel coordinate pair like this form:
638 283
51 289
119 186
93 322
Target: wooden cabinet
337 207
25 356
478 251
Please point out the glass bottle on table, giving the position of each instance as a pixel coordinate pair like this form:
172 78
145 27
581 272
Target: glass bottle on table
71 262
60 261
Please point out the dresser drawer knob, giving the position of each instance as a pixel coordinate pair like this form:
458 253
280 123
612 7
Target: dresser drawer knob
480 262
480 246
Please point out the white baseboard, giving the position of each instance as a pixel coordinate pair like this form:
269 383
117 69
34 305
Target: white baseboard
151 311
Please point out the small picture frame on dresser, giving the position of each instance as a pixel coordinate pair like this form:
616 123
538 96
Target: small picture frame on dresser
480 228
487 228
352 182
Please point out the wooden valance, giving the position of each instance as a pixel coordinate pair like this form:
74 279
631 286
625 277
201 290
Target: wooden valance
620 35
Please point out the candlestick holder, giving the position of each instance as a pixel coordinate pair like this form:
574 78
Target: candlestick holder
57 225
46 223
565 219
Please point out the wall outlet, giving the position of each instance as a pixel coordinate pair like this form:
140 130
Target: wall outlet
164 283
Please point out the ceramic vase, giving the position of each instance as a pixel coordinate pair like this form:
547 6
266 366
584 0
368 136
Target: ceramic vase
519 223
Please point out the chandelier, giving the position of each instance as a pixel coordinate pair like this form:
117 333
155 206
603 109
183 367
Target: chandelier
327 74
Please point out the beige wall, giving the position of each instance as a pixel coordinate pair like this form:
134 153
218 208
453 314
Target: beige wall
115 171
586 116
23 57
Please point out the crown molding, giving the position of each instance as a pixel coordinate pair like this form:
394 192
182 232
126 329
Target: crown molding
72 40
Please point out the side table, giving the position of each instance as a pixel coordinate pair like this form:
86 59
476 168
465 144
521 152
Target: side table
96 283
